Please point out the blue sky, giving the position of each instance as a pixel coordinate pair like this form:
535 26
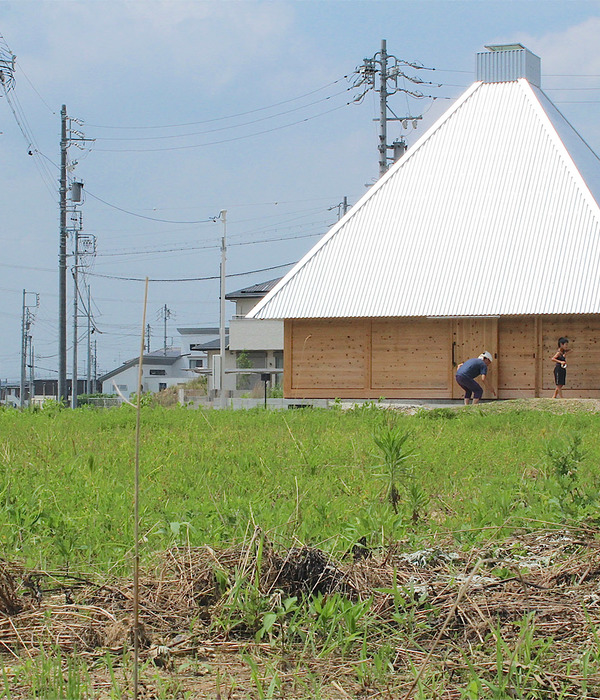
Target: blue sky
262 90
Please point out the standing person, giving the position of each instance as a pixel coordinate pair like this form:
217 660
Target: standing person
560 366
466 373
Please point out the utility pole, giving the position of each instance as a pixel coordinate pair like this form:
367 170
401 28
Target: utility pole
342 208
95 364
88 383
383 95
24 332
381 73
223 216
166 314
31 371
68 137
163 315
62 263
75 312
27 319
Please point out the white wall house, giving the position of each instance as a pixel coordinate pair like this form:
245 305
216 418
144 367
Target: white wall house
258 344
192 339
159 371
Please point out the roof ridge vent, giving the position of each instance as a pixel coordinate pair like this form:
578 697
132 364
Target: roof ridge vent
506 62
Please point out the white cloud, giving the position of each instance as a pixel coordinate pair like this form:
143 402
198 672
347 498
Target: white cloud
573 50
213 41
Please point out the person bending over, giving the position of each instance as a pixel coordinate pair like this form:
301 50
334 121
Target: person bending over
466 373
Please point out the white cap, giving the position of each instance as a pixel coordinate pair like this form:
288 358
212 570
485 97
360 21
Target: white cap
486 356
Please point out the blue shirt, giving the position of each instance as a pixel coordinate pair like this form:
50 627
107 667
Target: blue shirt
472 368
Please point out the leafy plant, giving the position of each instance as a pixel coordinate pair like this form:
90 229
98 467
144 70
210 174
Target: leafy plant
565 460
399 470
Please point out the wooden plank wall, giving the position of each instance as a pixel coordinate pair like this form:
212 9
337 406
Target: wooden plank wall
517 353
410 354
325 355
583 370
412 358
364 358
471 336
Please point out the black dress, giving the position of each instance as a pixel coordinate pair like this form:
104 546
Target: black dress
560 373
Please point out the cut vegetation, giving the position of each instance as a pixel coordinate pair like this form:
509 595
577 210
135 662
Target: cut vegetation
322 554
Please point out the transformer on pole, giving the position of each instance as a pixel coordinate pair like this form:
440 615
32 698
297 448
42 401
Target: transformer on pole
382 73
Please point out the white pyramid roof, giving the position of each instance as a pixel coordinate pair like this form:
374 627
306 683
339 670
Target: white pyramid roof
494 211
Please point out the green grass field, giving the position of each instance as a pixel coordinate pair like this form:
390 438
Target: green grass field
461 480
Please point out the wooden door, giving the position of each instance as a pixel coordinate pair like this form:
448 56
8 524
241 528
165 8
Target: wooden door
470 337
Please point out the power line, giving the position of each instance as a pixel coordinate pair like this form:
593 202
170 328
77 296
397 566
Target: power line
189 279
232 116
214 143
186 249
222 128
149 218
35 90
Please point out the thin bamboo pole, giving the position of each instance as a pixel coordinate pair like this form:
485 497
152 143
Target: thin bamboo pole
136 507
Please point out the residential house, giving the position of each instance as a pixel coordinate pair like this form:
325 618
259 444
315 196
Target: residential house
250 344
485 235
159 371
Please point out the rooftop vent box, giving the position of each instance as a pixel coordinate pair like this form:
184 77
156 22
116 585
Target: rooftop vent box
505 62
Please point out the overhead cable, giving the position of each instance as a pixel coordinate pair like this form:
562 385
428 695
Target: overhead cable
231 116
221 128
229 140
189 279
149 218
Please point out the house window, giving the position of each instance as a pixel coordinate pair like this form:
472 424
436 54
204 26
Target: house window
162 386
122 387
196 363
158 372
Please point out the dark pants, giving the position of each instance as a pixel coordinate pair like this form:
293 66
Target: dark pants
470 386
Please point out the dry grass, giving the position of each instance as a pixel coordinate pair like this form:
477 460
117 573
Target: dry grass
550 579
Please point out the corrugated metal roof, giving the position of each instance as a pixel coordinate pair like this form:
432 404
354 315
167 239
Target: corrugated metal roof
494 211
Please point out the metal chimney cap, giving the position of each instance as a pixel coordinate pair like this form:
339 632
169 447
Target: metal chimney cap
508 62
505 47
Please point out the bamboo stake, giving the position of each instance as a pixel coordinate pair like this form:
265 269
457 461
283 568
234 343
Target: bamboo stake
136 558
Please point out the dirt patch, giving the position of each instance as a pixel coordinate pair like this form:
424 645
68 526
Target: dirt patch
558 406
